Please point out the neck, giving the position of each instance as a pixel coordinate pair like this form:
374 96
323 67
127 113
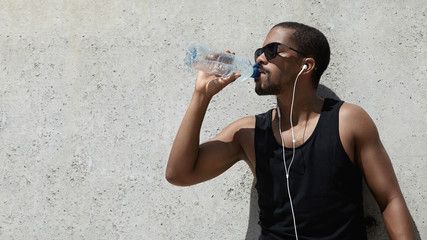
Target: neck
306 102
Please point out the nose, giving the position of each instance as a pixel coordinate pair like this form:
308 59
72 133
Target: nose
261 59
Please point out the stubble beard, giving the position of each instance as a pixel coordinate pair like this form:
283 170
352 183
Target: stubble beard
266 87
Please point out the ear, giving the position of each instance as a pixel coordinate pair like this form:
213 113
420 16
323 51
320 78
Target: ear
311 65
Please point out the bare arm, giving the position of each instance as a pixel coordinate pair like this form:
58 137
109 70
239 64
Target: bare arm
374 162
190 163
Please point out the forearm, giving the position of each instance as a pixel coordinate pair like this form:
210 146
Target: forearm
398 220
184 152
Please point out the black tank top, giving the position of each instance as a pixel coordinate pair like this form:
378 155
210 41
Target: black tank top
325 186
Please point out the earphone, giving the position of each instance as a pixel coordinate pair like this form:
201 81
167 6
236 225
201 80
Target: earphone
304 67
287 169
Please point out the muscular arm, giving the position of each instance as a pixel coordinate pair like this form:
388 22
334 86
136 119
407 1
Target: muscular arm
190 163
374 162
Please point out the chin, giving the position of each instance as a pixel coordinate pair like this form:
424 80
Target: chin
266 90
264 86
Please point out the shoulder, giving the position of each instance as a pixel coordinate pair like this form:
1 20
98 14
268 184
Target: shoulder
240 134
349 111
238 128
245 122
356 121
250 122
246 129
357 130
355 114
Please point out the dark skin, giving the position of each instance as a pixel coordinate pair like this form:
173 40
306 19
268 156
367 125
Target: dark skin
191 163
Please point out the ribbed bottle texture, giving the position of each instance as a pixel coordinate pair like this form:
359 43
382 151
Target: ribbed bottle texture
208 59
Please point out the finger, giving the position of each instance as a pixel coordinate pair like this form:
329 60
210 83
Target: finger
236 75
230 78
228 51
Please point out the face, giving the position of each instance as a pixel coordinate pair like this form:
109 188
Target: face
278 73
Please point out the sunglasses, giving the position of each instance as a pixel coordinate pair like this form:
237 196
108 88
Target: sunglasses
270 50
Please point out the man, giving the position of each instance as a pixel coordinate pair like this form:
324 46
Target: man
308 155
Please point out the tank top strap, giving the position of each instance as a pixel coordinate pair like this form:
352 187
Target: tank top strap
263 120
329 116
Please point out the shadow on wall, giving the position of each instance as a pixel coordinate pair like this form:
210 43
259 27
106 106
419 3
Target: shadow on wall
375 227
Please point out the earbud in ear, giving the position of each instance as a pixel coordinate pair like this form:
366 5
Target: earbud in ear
304 67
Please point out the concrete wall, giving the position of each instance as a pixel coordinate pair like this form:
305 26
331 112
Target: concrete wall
92 94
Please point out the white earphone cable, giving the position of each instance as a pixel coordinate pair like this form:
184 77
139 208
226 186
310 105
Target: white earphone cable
287 170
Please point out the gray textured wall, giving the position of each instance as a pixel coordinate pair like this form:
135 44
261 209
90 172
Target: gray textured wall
92 94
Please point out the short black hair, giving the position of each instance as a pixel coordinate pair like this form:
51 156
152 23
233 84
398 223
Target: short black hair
312 43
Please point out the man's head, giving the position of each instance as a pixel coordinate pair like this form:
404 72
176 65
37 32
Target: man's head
288 47
312 43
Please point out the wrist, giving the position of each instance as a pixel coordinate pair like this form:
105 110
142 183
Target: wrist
201 98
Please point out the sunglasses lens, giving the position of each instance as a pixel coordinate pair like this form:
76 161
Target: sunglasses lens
269 50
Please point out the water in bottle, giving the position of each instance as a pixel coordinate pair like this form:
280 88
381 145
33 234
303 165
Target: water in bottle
208 59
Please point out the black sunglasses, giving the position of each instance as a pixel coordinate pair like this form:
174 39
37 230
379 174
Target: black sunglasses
270 50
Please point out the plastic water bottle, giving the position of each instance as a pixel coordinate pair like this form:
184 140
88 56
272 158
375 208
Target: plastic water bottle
208 59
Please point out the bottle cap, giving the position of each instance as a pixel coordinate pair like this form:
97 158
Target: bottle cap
256 73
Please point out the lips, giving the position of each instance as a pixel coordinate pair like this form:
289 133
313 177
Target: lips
262 72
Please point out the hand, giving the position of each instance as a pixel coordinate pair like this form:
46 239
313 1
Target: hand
209 85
